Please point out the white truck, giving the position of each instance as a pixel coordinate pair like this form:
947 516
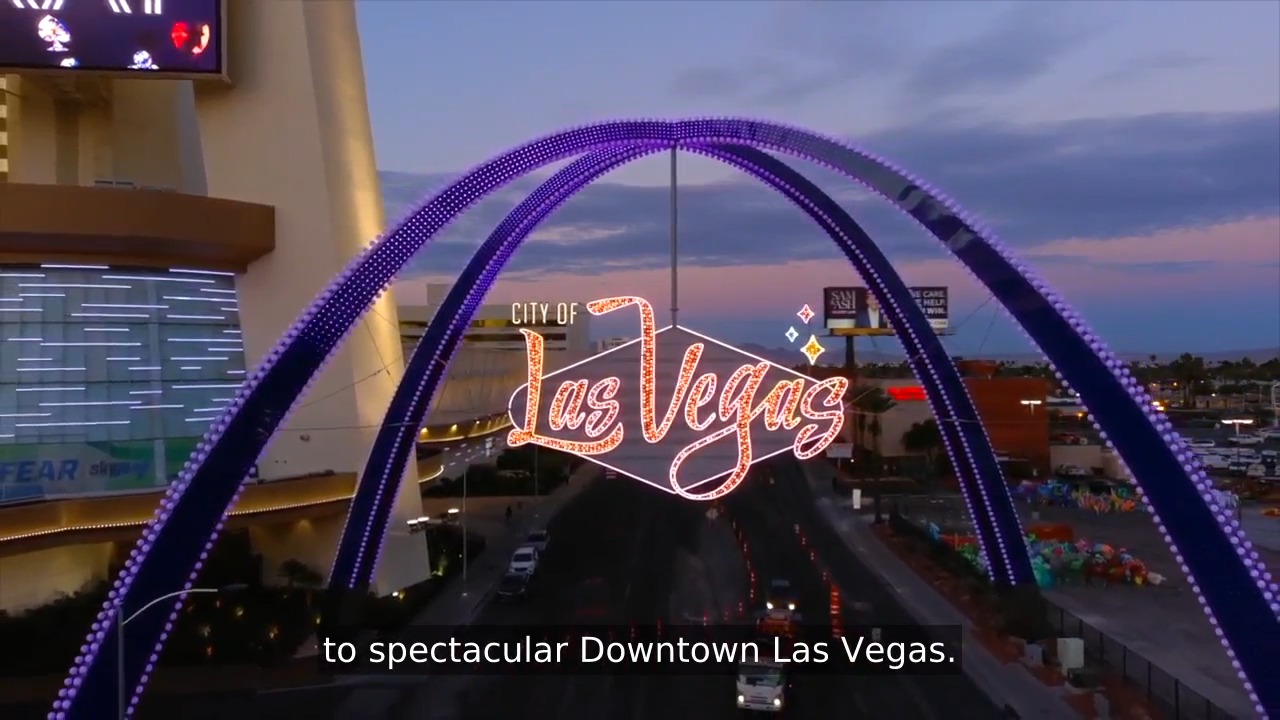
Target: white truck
762 683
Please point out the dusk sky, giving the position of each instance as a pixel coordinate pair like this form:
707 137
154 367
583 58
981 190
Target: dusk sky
1129 151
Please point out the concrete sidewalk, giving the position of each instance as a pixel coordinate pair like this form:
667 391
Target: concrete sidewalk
1006 684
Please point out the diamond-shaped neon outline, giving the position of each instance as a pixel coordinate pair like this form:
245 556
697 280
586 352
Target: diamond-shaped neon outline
516 424
805 314
792 334
813 349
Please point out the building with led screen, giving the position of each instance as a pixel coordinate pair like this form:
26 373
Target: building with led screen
491 362
159 231
182 37
108 376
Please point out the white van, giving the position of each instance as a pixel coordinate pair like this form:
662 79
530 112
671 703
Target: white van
1214 462
762 685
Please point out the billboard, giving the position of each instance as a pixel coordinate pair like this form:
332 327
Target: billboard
133 37
854 310
31 472
675 409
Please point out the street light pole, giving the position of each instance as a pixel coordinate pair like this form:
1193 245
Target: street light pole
465 472
122 705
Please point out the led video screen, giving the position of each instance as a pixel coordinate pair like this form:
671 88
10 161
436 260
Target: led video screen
181 37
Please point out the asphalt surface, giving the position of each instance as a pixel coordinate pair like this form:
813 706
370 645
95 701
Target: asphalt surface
788 502
630 536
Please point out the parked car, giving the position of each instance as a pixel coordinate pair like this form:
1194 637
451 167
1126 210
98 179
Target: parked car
524 561
1072 471
538 539
1245 439
514 587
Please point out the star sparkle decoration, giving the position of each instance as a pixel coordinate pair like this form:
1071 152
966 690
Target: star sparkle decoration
792 335
813 349
805 314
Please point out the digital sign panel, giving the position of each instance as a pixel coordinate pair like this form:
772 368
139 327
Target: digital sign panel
675 409
166 37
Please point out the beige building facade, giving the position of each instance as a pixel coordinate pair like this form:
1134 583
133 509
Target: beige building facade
153 174
491 363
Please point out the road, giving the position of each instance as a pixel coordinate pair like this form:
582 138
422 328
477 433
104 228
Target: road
457 455
631 537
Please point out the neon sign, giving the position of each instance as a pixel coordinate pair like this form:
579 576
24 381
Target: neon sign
727 409
907 393
540 313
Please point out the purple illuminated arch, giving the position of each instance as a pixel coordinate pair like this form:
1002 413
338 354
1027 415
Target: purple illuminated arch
1223 567
367 523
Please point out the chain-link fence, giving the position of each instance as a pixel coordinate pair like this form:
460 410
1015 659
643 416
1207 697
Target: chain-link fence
1163 692
938 516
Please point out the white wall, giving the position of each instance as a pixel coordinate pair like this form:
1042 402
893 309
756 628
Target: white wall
302 61
1085 456
483 376
146 135
36 578
311 542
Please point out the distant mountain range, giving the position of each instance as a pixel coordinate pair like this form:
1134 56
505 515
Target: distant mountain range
835 355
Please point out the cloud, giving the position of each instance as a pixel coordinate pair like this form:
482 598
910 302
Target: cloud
814 50
1019 47
1193 285
1142 68
1050 189
807 48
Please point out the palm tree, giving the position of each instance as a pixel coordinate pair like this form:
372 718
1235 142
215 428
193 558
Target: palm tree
871 402
1190 372
924 438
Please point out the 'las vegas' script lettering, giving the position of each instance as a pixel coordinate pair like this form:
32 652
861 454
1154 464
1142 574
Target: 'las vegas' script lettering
814 410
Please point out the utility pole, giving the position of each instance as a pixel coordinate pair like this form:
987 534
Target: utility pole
675 244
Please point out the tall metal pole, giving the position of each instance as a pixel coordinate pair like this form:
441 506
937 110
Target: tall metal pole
465 472
120 681
675 245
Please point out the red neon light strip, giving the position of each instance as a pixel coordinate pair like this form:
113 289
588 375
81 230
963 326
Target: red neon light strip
907 393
